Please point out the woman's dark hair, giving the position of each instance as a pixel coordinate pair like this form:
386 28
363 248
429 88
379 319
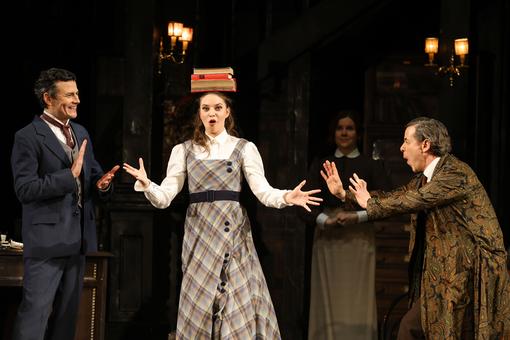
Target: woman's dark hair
199 136
341 115
47 83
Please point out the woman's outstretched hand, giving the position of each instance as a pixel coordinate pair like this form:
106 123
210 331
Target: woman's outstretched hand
330 175
139 174
302 198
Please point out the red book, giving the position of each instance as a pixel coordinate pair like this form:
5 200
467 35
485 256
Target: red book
211 76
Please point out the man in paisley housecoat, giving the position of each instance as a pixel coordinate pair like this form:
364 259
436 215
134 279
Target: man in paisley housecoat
459 283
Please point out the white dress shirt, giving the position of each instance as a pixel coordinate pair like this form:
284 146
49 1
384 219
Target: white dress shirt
429 170
220 147
56 130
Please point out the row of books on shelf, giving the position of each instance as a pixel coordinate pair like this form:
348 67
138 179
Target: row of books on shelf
213 79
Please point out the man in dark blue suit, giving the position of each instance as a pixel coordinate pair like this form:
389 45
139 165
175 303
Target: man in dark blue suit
55 179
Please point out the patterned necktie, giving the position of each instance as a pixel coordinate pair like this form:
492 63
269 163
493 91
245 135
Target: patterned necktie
423 180
66 129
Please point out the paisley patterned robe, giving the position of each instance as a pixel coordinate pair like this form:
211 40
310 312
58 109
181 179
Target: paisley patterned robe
464 286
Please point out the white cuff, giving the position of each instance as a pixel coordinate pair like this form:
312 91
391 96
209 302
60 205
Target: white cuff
141 188
362 216
321 219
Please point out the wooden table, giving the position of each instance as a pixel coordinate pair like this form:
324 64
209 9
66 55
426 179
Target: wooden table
91 316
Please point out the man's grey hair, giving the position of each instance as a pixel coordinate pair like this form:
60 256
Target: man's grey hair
435 132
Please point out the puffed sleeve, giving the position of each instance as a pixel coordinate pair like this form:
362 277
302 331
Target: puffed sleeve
162 195
253 169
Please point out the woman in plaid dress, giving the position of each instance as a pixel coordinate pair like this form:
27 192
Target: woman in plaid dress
223 293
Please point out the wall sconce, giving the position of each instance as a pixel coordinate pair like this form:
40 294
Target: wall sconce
450 70
176 32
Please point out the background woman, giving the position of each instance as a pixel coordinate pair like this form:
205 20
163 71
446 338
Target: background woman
342 283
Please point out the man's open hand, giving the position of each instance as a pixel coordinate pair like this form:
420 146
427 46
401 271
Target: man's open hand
105 181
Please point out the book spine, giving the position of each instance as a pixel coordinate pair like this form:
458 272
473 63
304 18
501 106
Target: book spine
212 82
213 70
219 89
211 76
213 85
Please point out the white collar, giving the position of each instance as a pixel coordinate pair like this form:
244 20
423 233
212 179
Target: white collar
219 139
353 154
429 170
58 120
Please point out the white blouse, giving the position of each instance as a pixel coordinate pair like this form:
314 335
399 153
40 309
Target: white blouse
221 147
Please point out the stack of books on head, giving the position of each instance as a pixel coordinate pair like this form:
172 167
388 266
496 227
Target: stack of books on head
213 79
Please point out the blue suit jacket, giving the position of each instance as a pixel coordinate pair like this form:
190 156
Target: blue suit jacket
52 222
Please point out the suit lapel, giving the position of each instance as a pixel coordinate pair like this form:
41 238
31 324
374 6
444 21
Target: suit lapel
50 140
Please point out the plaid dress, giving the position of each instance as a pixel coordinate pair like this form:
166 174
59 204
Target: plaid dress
224 293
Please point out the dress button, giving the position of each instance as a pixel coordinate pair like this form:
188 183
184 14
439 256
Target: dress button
229 163
227 223
229 169
223 283
225 261
222 290
227 255
226 230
